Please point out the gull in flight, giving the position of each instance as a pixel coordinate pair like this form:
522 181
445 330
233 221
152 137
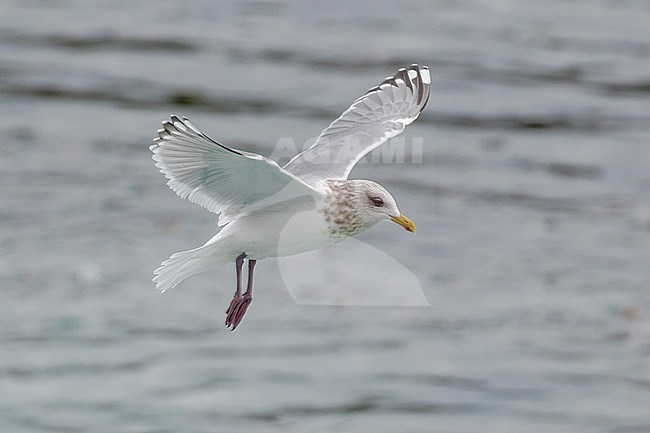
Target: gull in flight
272 211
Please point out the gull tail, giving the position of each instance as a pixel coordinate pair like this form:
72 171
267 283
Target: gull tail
184 264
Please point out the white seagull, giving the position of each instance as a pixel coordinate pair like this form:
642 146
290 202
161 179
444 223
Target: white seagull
273 211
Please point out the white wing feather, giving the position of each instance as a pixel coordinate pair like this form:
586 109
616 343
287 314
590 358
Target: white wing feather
382 113
225 181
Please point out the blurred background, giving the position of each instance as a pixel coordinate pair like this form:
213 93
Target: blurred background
532 201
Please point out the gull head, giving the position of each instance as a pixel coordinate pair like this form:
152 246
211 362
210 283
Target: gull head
364 203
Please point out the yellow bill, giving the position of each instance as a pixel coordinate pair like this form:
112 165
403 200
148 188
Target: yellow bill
404 222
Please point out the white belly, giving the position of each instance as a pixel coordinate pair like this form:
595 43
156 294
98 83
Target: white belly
277 234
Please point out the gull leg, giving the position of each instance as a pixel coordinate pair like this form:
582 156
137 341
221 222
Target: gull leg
236 299
240 303
249 286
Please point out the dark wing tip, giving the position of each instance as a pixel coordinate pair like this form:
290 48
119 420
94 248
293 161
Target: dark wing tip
415 77
187 129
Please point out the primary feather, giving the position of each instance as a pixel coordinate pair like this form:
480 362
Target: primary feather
382 113
225 181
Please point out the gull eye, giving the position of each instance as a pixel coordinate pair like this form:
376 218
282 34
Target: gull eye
377 201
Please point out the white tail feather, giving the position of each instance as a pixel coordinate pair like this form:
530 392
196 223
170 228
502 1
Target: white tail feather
184 264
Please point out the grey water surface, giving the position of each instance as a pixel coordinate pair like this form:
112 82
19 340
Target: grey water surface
532 200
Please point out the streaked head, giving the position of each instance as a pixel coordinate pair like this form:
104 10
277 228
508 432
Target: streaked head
371 203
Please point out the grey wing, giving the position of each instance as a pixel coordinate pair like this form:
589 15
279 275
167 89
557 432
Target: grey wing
225 181
382 113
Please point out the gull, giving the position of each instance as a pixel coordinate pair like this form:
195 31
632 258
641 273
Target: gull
270 211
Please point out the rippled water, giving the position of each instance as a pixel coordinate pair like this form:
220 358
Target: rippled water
532 203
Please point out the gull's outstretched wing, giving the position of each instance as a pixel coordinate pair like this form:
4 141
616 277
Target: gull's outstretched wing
377 116
225 181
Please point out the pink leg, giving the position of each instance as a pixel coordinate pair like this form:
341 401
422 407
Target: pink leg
239 304
239 262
